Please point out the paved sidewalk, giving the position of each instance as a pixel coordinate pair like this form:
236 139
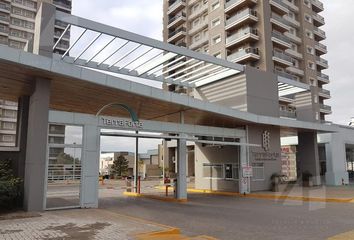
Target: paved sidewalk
80 224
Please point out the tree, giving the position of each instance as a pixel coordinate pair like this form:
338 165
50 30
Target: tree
120 166
9 186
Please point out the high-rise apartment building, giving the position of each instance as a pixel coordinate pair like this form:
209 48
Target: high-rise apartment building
17 23
280 36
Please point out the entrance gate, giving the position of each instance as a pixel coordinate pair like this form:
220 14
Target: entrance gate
90 149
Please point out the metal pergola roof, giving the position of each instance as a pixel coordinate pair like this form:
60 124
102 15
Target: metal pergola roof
107 48
102 47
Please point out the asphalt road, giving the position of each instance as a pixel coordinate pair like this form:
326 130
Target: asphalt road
239 218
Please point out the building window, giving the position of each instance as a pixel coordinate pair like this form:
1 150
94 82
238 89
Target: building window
309 34
308 18
310 50
215 22
10 113
258 171
215 5
213 171
206 49
196 37
196 22
8 138
216 39
8 126
294 46
311 65
307 3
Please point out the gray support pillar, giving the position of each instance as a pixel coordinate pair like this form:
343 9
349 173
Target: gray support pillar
165 158
36 151
182 168
90 167
44 30
307 155
336 173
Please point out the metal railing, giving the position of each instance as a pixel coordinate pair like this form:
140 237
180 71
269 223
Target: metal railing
286 75
324 91
175 4
281 37
319 31
62 4
281 3
280 19
320 45
240 15
325 107
322 75
321 60
231 2
180 15
318 17
241 33
242 52
177 31
5 6
64 172
288 114
317 3
282 56
4 29
4 18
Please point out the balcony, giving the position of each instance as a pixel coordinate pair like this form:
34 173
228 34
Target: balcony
321 63
177 20
280 40
5 7
296 71
324 93
279 7
176 6
320 48
324 78
293 22
293 37
317 6
4 41
66 36
325 109
245 17
177 35
318 20
198 12
279 23
294 54
4 30
65 5
200 42
4 19
234 5
60 24
282 59
291 6
286 75
242 36
319 34
196 28
287 114
244 55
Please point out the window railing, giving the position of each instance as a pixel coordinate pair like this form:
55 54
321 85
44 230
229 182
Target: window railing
286 75
280 36
177 31
325 107
282 56
322 75
241 33
183 14
242 52
240 15
176 3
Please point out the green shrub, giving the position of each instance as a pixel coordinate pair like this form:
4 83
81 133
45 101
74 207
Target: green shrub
9 186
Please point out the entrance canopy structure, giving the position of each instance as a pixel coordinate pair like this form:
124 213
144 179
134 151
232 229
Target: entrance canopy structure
106 48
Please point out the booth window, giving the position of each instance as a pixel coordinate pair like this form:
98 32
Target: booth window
213 171
258 171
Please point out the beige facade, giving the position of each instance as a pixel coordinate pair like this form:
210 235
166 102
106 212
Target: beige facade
278 36
17 26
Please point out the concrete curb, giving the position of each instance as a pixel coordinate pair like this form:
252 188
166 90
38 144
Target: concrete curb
165 199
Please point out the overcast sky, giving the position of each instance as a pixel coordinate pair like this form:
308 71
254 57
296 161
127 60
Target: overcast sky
145 17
